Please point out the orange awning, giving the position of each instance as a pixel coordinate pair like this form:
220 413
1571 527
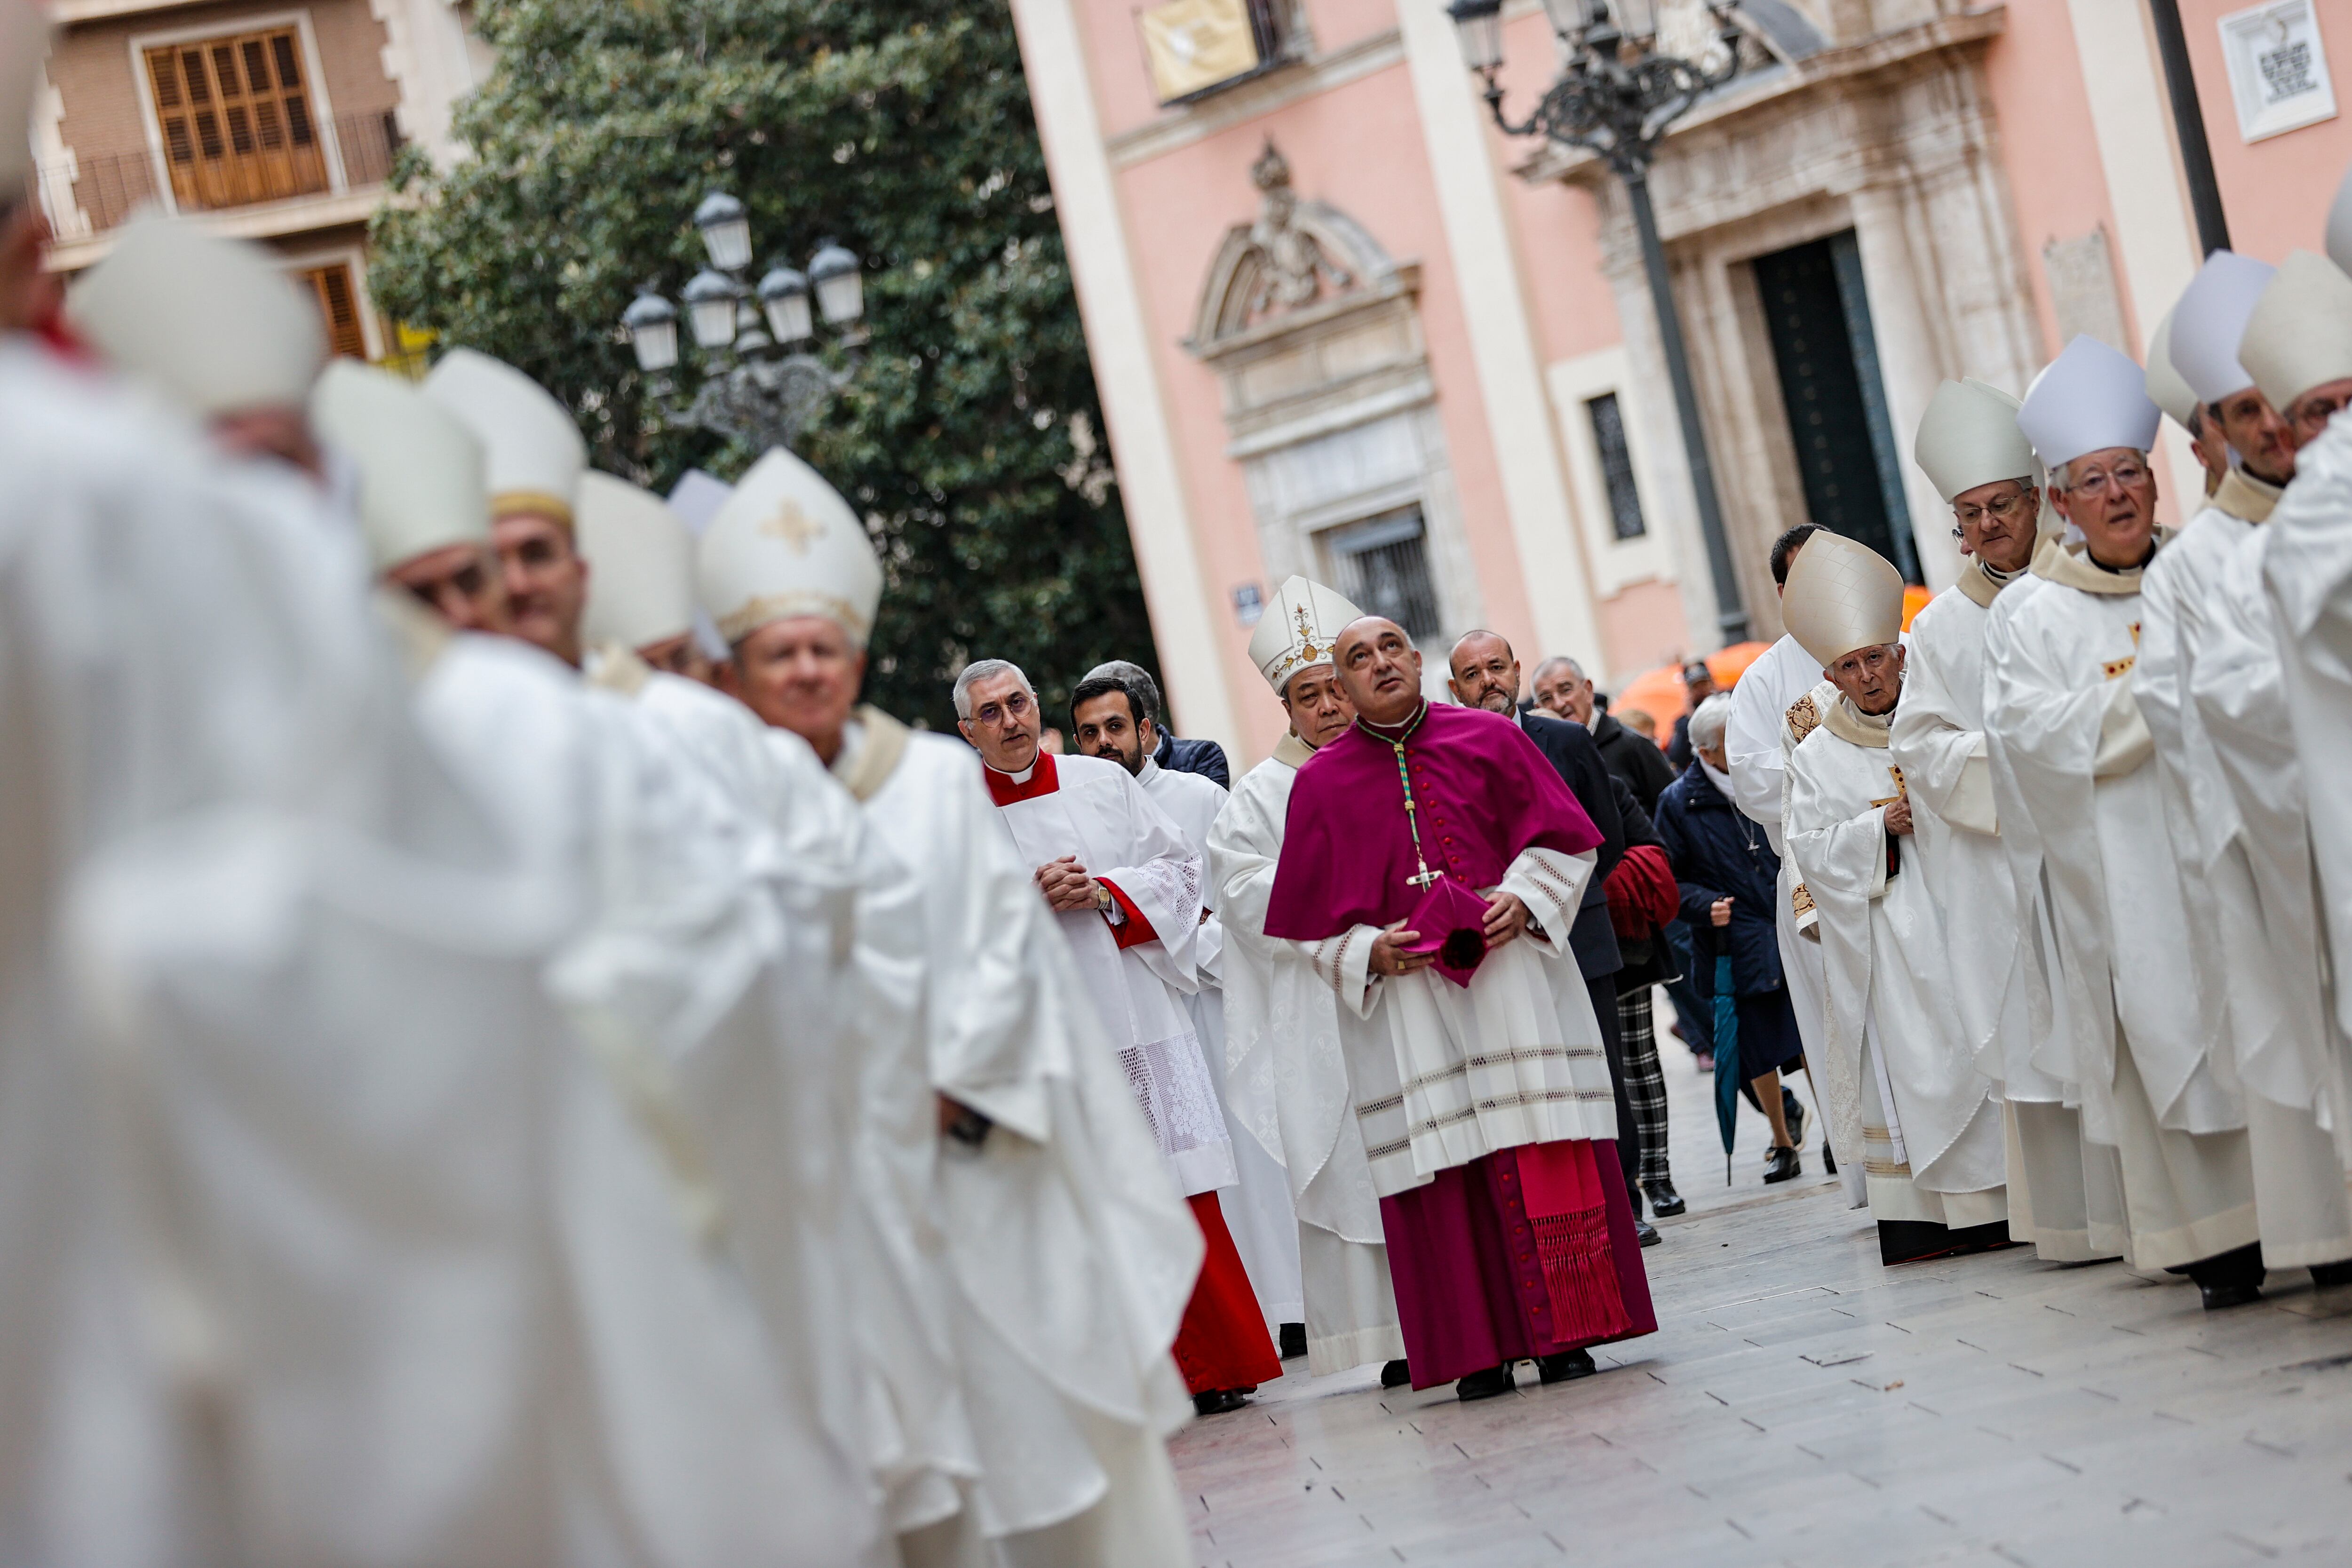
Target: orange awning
1659 692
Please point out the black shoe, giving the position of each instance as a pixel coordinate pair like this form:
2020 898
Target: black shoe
1395 1374
1665 1202
1793 1109
2231 1278
1645 1234
1292 1343
1484 1384
2328 1275
1780 1164
1219 1401
1565 1367
1829 1157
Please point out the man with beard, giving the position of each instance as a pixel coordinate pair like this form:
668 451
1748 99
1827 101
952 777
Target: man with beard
1286 1078
1128 889
1996 924
1903 1080
1109 719
1473 1058
1483 672
2072 753
1205 758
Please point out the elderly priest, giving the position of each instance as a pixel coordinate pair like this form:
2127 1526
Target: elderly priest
1996 934
2068 733
1903 1080
1433 862
1286 1079
1129 895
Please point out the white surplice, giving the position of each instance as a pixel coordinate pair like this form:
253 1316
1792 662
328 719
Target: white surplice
2267 1046
2069 733
1443 1074
2309 570
1995 927
312 1214
1257 1209
2240 689
1286 1082
1070 1256
1890 1010
1097 812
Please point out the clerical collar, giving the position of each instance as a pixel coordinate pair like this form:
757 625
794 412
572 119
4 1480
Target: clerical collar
1395 734
1038 778
1997 574
1143 775
1857 728
2139 565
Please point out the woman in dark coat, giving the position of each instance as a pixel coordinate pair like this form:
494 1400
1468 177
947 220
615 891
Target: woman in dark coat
1727 872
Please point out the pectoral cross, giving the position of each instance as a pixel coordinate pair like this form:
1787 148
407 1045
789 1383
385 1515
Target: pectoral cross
1412 824
1896 774
1425 878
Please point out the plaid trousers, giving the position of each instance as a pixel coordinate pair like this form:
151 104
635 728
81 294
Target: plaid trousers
1645 1084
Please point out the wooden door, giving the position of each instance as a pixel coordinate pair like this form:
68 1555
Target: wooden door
339 307
236 118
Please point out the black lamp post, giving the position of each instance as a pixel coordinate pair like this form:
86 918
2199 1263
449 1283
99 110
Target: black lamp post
758 385
1616 97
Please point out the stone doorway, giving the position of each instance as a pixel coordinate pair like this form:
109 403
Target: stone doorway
1817 314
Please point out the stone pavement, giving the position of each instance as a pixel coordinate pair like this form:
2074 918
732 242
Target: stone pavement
1802 1405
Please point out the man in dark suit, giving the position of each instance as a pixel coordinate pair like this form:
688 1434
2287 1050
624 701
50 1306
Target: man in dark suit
1562 687
1486 674
1205 758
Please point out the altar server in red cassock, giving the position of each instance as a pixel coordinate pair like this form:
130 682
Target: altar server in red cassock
1433 864
1129 892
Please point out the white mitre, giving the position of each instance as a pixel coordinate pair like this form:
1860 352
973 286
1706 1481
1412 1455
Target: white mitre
1840 595
24 44
210 321
1297 630
2300 335
536 452
2164 384
1968 436
696 497
2089 399
640 565
2210 319
787 545
424 484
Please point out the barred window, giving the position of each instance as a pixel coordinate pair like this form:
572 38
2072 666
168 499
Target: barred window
1382 563
1616 465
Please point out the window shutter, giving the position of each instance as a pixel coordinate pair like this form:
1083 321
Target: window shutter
236 121
339 306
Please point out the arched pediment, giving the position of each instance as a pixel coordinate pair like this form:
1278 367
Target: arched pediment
1296 254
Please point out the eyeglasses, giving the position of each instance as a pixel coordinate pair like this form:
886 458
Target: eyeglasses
991 712
2000 509
2123 475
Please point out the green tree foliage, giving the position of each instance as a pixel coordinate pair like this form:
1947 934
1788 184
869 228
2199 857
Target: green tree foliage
970 439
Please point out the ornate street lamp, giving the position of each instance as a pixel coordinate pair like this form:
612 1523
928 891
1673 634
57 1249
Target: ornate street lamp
758 383
1615 97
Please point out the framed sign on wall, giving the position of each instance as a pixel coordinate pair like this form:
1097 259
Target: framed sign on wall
2278 67
1193 46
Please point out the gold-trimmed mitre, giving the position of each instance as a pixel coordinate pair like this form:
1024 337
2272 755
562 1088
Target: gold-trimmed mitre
422 482
1297 630
536 452
787 545
1840 595
1968 436
640 565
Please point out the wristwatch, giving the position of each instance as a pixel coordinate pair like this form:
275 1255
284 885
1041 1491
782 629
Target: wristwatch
1104 902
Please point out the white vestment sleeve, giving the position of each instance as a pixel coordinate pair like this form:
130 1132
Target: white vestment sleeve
1551 884
2125 740
1344 962
1944 760
1164 883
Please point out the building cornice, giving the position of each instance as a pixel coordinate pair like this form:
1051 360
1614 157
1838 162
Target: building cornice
67 13
272 220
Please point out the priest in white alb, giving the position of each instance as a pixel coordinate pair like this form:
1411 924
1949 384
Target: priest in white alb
1433 863
1129 892
2275 1035
1286 1079
2260 693
1064 1257
1903 1079
2072 749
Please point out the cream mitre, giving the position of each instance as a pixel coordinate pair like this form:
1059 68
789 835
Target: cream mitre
2088 399
2300 335
1297 630
210 321
640 565
2210 319
422 480
23 43
536 452
2340 225
1840 595
2164 384
787 545
1968 436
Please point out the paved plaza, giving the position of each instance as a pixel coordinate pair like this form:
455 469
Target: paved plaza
1802 1405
